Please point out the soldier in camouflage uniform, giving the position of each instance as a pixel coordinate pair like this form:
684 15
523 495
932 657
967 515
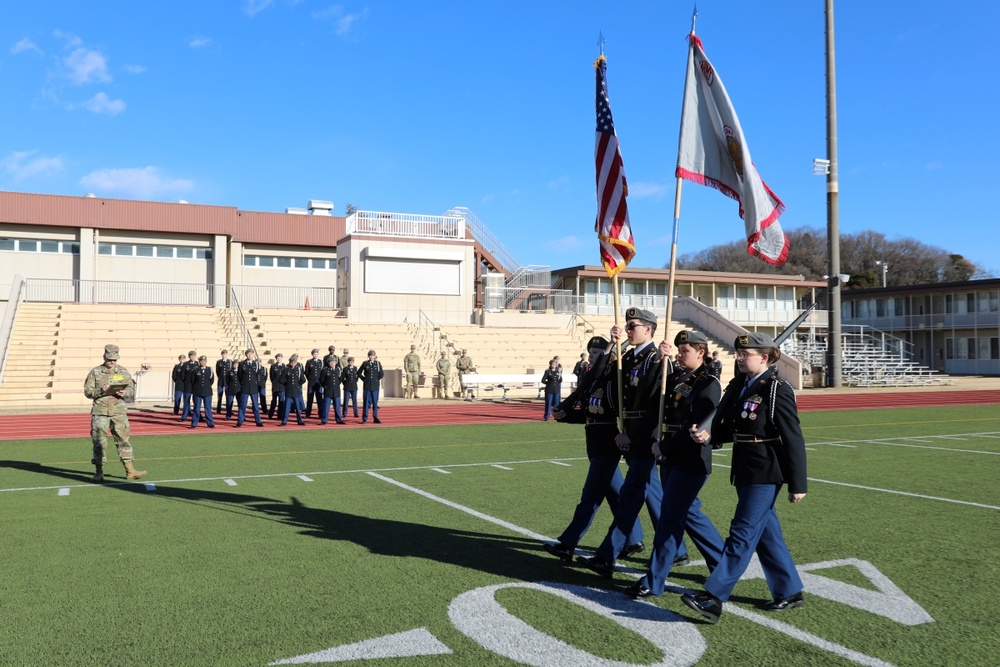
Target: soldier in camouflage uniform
411 364
443 367
464 365
110 386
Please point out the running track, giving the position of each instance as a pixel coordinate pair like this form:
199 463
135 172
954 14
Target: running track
154 422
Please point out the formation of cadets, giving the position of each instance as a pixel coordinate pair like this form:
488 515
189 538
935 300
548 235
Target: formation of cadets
295 387
756 412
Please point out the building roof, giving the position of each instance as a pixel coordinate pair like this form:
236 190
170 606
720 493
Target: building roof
127 214
686 275
926 288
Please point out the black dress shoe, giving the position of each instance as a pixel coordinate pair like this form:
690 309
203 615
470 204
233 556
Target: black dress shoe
632 549
638 590
784 604
377 420
601 567
705 604
681 561
560 551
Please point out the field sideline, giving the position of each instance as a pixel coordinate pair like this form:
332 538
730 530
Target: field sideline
420 546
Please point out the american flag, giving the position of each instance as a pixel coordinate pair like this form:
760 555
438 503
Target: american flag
612 226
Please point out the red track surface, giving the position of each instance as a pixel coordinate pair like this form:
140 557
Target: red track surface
151 422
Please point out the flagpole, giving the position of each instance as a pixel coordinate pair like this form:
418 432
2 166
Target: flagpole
673 252
618 350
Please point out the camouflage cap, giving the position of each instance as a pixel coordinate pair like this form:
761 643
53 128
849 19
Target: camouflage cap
597 341
690 337
111 351
753 341
413 347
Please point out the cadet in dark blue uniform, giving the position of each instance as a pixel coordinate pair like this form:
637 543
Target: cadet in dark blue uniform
692 394
371 374
758 413
313 368
176 375
350 379
187 377
232 389
330 378
222 368
641 368
279 373
201 388
604 479
248 374
295 377
262 385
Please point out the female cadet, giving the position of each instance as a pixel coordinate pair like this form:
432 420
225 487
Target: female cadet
692 395
330 379
760 417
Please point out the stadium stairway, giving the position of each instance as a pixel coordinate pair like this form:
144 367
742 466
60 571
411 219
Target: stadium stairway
31 359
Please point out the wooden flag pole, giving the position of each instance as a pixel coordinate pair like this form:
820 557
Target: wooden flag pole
618 350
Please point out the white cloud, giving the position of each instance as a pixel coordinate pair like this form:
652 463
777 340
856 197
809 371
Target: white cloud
25 45
135 69
199 42
139 183
342 22
24 164
254 7
71 39
648 190
568 244
101 103
86 66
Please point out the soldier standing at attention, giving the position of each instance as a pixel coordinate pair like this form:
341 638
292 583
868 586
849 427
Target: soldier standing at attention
232 389
247 376
314 389
411 364
343 359
222 368
110 386
295 377
187 377
716 366
331 354
464 365
177 376
279 374
350 380
201 388
330 378
371 375
443 367
262 385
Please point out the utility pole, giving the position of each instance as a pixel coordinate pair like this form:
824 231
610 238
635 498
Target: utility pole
833 343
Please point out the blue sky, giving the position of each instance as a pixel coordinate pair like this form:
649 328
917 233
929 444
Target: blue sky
421 106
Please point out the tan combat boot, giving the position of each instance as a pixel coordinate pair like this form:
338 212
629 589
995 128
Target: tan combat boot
131 473
98 477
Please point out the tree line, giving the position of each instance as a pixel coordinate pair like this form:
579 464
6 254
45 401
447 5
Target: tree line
909 261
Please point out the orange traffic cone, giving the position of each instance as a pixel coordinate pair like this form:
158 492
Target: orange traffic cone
307 306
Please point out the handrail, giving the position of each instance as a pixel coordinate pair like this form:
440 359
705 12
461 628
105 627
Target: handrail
247 336
10 314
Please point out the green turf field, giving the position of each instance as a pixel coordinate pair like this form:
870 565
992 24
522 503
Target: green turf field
419 546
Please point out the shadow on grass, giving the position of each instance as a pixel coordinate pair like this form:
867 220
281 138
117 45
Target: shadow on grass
501 554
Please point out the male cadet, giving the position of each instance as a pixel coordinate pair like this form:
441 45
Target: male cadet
443 367
279 376
331 354
187 376
294 379
411 364
247 376
641 369
371 374
222 368
464 365
110 386
716 366
313 368
178 378
350 380
201 389
262 385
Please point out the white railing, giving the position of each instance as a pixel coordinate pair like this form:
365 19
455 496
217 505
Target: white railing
486 238
528 299
10 314
409 225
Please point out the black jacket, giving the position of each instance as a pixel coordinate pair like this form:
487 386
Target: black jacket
691 399
295 377
312 370
371 374
177 375
766 412
330 378
261 377
187 375
641 379
247 375
201 381
350 378
279 375
222 368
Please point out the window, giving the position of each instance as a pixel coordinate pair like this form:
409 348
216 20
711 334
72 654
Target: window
744 296
164 251
265 261
71 247
970 303
27 246
994 348
879 307
897 307
949 305
984 348
144 251
8 244
185 253
301 263
319 263
103 248
50 246
124 250
249 260
285 262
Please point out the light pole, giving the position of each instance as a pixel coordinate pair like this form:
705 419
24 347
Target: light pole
885 270
834 360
